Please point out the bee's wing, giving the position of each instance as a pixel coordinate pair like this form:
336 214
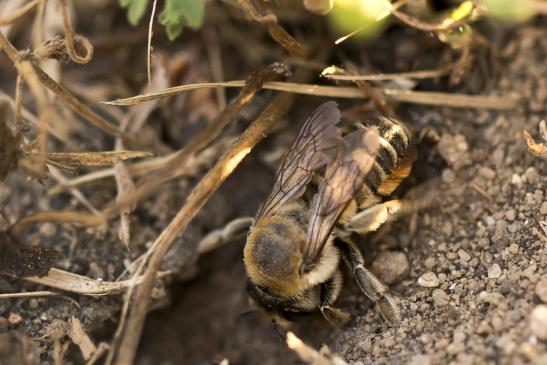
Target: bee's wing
319 134
344 176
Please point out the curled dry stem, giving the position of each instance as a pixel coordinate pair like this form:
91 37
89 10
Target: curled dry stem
431 27
70 38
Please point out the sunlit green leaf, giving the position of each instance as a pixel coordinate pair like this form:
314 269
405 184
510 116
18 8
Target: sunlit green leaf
135 9
180 13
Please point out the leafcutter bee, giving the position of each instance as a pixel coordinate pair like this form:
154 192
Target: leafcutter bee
334 182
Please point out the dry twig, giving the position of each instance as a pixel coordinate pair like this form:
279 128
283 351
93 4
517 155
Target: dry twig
312 356
16 14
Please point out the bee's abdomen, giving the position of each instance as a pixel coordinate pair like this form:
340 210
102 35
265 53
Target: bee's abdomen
395 147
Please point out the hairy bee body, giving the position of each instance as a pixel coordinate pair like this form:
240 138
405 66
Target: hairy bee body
293 252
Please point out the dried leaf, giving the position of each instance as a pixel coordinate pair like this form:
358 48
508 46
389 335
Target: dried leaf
536 149
18 260
106 158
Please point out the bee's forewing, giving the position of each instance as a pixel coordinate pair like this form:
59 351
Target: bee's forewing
344 176
319 134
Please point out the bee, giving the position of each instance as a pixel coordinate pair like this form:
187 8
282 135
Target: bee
334 182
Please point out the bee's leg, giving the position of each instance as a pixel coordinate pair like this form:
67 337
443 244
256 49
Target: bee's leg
329 293
369 284
372 218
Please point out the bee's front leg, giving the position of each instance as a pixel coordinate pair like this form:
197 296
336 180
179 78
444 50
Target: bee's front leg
368 283
329 293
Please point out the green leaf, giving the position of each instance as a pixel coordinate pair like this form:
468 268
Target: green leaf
136 9
180 13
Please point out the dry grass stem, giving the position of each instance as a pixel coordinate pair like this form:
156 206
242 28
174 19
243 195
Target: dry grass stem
149 166
77 106
30 294
104 158
149 43
221 236
180 162
70 37
57 175
79 218
80 338
16 14
276 31
73 283
368 90
424 74
310 355
395 95
215 65
45 111
30 117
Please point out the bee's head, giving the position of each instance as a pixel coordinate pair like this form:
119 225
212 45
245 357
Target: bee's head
273 258
282 310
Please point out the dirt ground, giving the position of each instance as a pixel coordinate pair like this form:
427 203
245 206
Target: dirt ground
467 272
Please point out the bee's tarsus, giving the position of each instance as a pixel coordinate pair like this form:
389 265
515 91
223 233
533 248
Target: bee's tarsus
369 284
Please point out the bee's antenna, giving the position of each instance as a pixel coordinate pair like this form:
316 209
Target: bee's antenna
245 313
277 330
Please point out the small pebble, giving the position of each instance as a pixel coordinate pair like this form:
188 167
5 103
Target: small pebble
487 173
491 298
14 319
48 229
57 329
543 208
33 303
516 180
419 360
391 266
429 262
531 175
514 249
538 322
428 280
448 176
494 271
440 297
4 325
463 255
541 289
510 215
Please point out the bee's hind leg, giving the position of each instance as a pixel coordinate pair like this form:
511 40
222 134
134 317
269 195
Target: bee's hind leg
372 218
329 293
368 283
